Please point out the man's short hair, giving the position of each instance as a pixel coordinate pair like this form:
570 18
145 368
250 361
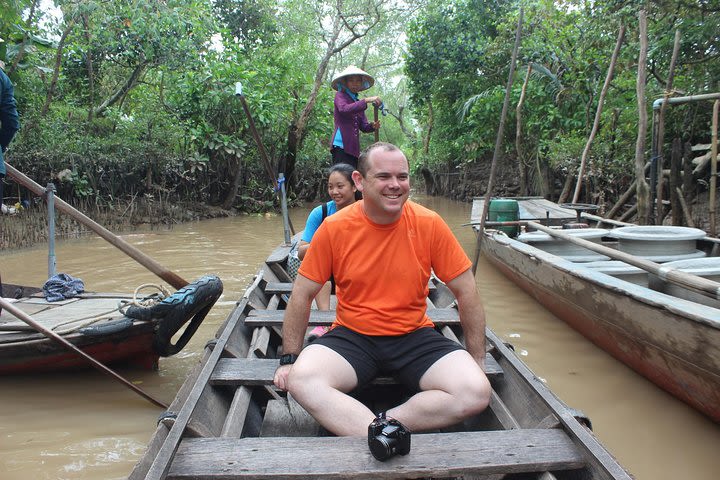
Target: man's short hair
365 155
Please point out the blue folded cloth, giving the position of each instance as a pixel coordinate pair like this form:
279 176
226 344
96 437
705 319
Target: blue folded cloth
62 286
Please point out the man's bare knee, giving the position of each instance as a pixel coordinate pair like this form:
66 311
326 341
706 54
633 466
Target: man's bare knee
474 398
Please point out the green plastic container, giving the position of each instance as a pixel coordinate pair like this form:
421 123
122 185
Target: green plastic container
505 210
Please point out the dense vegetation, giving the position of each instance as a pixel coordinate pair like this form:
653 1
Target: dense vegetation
133 100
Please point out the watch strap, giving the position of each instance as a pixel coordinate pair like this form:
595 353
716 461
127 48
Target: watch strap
288 359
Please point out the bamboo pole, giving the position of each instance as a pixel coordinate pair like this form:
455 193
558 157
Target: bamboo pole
522 170
172 278
12 309
668 274
598 113
642 189
498 139
713 167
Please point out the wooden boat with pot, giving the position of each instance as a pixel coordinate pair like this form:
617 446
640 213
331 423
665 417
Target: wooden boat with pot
667 332
94 322
228 421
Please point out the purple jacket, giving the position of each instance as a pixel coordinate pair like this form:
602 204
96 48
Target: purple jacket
350 119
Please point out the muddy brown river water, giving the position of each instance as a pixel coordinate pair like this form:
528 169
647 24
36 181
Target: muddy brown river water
85 426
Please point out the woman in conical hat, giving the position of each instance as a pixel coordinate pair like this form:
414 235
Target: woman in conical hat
349 114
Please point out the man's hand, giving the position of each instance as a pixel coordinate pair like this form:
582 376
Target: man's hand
281 377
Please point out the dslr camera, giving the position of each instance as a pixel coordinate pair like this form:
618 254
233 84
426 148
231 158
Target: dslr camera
387 437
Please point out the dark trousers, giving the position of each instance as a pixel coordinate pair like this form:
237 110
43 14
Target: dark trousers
341 156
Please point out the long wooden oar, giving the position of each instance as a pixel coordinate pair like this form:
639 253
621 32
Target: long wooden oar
672 275
144 260
54 336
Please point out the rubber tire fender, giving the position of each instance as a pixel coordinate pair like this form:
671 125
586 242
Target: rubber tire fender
189 304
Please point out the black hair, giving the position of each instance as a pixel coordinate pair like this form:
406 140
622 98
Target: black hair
345 169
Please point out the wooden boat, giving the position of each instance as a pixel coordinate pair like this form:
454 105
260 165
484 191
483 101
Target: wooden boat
229 422
672 341
93 323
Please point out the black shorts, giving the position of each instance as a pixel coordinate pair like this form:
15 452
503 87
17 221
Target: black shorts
406 357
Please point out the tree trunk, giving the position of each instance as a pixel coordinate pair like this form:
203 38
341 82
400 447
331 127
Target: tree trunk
522 168
598 112
566 187
26 37
120 93
675 166
428 132
90 71
234 184
643 192
56 70
296 130
687 172
660 140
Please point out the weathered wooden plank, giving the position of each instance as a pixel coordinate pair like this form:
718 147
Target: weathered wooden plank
278 287
260 342
279 255
269 318
286 418
237 413
260 371
432 455
286 287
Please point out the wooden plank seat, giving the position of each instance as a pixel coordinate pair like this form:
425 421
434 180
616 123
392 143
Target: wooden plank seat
286 287
235 372
274 318
431 455
278 287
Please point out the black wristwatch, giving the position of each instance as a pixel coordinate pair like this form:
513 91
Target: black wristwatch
288 359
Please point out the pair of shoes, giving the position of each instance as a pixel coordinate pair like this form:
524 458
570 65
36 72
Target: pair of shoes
317 332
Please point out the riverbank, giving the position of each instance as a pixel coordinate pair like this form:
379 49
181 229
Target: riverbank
29 226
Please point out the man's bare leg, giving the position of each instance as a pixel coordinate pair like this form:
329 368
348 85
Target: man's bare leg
319 380
322 299
453 388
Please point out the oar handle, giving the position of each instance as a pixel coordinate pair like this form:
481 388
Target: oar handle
144 260
12 309
377 131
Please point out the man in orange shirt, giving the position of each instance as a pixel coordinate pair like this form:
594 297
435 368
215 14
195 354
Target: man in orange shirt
381 251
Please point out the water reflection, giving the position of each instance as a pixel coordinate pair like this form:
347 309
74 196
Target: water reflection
85 426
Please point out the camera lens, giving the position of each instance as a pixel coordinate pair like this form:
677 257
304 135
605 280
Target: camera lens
382 447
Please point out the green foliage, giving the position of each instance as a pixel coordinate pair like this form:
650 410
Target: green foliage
144 100
457 63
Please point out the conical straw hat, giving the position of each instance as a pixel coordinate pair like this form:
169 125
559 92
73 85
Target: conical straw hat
368 82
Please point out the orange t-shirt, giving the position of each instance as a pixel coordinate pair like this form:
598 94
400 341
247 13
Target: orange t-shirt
381 271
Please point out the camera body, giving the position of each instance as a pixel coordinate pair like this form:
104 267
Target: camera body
387 437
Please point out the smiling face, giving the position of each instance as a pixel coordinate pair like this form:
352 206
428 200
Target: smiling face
354 83
385 185
341 190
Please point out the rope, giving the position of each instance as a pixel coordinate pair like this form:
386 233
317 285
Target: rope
145 302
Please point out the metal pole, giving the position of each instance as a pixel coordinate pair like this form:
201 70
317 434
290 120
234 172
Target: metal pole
283 206
52 262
